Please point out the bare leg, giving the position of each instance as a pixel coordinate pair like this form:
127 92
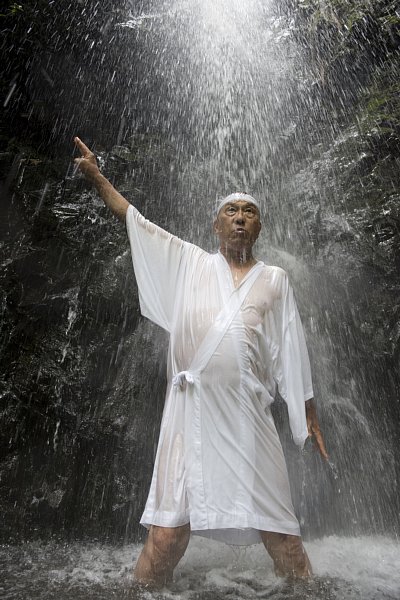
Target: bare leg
162 551
288 553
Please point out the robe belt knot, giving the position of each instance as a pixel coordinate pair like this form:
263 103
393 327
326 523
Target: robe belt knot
181 378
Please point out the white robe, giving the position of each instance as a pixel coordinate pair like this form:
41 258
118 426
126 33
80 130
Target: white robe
219 463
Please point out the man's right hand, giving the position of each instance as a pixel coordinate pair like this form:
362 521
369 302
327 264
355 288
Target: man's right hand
87 162
314 431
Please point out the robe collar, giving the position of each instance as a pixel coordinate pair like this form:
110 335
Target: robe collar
225 277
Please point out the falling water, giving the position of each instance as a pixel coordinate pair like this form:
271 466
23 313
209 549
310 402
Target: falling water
215 96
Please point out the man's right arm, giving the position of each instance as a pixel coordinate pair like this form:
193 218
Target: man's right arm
88 165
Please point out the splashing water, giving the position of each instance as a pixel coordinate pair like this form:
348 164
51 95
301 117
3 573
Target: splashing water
345 569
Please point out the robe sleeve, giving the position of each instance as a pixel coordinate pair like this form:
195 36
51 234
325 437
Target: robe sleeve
293 373
158 258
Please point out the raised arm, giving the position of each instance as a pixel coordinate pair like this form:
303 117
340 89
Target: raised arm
88 165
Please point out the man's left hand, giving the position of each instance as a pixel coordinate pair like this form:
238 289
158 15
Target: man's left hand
314 431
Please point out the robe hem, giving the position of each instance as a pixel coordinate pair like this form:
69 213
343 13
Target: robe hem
165 519
245 522
239 525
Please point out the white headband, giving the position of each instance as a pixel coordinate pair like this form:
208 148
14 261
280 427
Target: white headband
234 198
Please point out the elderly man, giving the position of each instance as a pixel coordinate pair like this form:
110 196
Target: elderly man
235 336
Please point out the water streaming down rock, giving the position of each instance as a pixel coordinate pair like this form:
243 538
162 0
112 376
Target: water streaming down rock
216 99
232 85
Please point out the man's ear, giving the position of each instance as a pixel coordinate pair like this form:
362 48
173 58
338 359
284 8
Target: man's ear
216 226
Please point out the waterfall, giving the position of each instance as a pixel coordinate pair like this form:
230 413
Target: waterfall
184 101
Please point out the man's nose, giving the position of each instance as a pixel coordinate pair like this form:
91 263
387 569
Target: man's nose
239 217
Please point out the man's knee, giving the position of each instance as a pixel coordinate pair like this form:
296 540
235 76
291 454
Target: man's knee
169 541
288 553
162 551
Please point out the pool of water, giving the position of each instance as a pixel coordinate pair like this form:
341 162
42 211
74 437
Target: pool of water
364 568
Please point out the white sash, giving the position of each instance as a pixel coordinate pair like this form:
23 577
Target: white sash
217 330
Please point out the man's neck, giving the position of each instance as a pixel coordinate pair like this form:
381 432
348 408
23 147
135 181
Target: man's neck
238 258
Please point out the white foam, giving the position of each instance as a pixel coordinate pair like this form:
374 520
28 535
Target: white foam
364 568
370 563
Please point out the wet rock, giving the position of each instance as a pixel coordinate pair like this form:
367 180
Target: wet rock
82 375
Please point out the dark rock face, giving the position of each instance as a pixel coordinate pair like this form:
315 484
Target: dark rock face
71 338
82 374
74 442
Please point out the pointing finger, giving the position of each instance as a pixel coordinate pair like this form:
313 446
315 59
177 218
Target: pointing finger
82 147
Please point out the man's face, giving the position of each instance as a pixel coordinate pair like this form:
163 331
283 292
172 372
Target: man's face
238 225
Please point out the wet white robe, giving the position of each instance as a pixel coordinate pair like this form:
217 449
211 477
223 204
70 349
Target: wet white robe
219 463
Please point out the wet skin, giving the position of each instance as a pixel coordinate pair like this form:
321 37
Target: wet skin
238 226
